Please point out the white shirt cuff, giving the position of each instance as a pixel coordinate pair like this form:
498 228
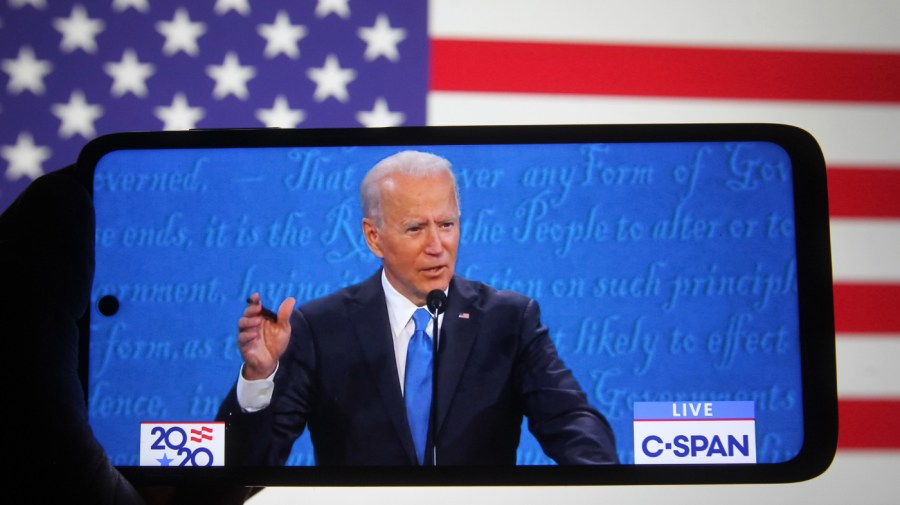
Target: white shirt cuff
255 395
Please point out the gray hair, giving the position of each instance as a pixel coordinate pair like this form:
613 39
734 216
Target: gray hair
412 163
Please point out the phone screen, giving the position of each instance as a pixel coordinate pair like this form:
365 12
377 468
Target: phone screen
674 268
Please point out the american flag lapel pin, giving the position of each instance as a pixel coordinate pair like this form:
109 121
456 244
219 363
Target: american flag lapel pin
463 315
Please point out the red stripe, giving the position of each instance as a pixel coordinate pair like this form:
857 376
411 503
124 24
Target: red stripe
868 424
864 192
867 308
605 69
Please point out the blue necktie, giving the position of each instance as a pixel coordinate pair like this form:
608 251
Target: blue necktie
417 383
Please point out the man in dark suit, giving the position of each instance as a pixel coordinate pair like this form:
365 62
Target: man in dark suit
340 363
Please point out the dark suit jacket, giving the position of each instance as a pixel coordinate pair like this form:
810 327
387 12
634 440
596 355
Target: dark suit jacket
496 364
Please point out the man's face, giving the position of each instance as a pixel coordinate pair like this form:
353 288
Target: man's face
420 234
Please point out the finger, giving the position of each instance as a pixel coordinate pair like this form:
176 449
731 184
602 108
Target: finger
254 299
248 333
248 339
253 310
249 324
284 311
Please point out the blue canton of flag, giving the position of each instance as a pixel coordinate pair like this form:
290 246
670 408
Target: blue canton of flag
72 70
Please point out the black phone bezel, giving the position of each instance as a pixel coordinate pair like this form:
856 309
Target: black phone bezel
815 304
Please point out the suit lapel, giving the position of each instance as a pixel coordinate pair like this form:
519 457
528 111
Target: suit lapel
458 332
368 314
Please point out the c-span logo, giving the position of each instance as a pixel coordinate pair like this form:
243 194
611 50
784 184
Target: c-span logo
182 444
694 432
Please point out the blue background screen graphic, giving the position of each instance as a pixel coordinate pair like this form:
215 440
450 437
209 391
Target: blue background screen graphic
665 271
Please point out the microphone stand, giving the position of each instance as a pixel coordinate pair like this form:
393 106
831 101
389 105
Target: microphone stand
436 303
432 422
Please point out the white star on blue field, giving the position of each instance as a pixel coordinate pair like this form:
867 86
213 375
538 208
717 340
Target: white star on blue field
72 70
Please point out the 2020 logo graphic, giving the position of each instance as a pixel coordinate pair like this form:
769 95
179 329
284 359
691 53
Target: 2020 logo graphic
182 444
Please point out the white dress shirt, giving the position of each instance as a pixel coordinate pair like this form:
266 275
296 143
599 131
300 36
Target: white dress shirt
255 395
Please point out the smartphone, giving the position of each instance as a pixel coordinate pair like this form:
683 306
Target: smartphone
683 273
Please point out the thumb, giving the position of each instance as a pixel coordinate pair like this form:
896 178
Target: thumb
284 311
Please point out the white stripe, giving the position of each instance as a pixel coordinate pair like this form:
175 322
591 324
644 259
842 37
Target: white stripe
854 477
865 250
848 133
821 24
867 366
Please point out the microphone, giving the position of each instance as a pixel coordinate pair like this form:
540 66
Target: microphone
436 301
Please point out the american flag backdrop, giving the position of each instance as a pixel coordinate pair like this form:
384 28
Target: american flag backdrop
72 70
75 70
